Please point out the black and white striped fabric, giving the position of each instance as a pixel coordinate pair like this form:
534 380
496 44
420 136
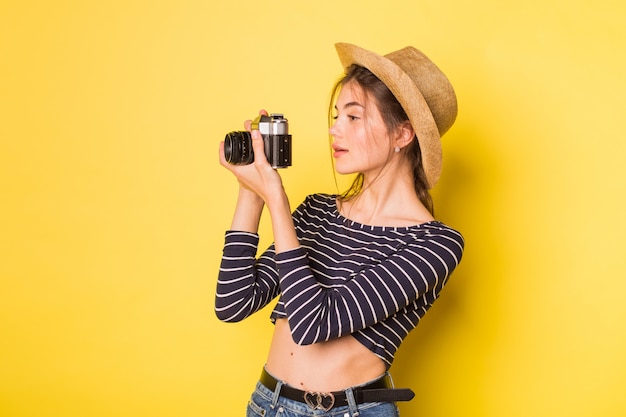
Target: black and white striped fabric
373 282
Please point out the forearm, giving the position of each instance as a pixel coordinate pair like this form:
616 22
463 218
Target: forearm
247 211
245 284
285 237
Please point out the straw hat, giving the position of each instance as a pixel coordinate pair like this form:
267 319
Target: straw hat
422 90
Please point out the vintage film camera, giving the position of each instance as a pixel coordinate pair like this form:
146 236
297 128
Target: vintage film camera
275 132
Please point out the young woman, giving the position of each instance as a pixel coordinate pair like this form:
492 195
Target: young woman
355 272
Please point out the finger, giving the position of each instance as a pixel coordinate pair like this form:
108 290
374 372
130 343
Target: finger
259 148
222 156
263 112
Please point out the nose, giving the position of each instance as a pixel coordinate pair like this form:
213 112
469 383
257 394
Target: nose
333 129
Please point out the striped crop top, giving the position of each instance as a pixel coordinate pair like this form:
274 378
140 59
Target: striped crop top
372 282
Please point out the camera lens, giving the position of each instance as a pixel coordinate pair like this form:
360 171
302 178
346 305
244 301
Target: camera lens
238 148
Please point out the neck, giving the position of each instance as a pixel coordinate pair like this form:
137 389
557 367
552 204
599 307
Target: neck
388 198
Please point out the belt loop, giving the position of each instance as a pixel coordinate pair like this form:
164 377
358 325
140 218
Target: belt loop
352 407
279 385
390 379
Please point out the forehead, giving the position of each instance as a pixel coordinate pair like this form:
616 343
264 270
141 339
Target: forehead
352 93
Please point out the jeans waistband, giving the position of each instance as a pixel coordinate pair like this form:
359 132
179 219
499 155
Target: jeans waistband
375 391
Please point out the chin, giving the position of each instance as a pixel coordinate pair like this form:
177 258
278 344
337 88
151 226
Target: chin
343 171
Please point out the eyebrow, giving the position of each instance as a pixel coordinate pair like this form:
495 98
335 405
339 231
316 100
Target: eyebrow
351 104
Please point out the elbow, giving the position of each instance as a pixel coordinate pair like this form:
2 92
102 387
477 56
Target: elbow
220 315
227 316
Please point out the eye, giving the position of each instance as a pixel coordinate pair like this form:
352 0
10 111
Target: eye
353 118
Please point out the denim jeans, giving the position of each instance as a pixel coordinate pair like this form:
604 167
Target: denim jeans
265 403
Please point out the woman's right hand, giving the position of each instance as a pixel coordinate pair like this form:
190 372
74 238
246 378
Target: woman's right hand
259 176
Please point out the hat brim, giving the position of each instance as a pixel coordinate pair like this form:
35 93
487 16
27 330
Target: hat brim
410 98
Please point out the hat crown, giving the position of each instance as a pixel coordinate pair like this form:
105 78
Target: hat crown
431 82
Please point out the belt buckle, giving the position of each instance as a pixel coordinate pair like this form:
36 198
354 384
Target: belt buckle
319 400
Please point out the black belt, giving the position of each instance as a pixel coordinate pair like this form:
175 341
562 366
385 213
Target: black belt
376 391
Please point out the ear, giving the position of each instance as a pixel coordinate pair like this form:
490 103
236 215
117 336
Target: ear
405 135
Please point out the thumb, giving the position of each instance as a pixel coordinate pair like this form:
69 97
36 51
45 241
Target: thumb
258 145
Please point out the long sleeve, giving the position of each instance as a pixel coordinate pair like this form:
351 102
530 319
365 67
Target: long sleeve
245 284
416 271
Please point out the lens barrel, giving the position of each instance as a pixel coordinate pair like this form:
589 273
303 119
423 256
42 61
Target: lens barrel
238 148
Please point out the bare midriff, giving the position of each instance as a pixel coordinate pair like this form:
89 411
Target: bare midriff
324 366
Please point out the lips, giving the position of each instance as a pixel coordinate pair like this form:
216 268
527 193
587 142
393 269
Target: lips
339 151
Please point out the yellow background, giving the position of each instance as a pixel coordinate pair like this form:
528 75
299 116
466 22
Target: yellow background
113 205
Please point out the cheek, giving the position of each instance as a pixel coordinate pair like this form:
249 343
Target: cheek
360 136
377 143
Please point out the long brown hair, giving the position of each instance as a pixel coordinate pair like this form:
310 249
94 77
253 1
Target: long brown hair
394 117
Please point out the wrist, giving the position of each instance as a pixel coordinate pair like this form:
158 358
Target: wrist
278 202
250 198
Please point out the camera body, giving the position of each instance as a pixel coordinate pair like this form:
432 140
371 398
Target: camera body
276 139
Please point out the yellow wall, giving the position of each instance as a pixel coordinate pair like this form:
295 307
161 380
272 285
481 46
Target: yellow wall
113 205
